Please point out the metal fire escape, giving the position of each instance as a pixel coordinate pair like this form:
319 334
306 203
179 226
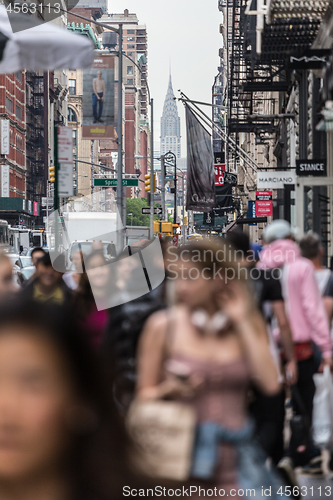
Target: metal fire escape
260 65
217 113
35 136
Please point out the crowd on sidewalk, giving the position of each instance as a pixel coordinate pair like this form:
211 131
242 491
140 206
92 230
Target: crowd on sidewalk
185 384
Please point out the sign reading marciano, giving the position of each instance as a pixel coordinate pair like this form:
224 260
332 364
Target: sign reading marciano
275 180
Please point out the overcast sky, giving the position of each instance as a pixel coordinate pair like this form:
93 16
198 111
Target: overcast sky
186 34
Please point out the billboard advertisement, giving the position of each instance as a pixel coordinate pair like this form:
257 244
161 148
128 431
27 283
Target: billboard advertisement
98 100
219 174
264 203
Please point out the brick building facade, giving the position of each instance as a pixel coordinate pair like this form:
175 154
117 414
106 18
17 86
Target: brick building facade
12 108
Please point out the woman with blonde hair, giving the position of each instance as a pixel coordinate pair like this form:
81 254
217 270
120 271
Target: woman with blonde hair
205 351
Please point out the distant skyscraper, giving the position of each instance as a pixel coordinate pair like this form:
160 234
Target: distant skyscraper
170 124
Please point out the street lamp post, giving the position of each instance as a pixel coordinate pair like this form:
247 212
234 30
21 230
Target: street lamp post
170 161
183 222
120 190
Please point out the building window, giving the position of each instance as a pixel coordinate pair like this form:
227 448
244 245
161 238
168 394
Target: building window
72 87
19 142
130 54
19 113
130 39
130 70
131 46
9 104
19 76
74 137
130 32
72 115
130 81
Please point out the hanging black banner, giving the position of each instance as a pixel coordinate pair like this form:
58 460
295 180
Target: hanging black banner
200 166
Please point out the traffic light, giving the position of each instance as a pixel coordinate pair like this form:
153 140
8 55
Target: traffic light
147 183
52 174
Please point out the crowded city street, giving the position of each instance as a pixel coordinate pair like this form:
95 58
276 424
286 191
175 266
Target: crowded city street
166 249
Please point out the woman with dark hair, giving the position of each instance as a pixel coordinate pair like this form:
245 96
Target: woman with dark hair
92 290
60 435
205 351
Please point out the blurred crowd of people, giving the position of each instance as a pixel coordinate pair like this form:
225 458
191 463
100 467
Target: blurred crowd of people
234 338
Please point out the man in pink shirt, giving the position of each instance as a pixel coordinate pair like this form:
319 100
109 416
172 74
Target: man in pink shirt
305 310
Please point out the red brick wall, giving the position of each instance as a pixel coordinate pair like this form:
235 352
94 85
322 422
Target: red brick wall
13 88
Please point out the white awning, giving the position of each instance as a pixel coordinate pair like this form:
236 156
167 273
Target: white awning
43 46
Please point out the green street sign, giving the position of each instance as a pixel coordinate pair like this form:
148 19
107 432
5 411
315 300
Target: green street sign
131 182
114 182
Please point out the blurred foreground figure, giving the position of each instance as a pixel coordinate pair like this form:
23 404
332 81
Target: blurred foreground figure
72 278
268 411
205 351
312 249
48 286
6 277
60 437
126 323
93 284
308 324
36 254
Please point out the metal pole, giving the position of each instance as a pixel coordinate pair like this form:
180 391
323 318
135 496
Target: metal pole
47 209
175 198
184 235
163 187
120 143
56 191
152 169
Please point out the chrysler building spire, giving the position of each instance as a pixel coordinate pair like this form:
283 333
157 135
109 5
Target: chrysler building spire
170 124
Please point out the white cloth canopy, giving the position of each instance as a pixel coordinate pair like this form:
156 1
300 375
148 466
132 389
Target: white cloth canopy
44 46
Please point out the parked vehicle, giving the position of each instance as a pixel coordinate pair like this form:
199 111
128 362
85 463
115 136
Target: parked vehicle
24 274
88 230
37 238
24 261
19 239
4 236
